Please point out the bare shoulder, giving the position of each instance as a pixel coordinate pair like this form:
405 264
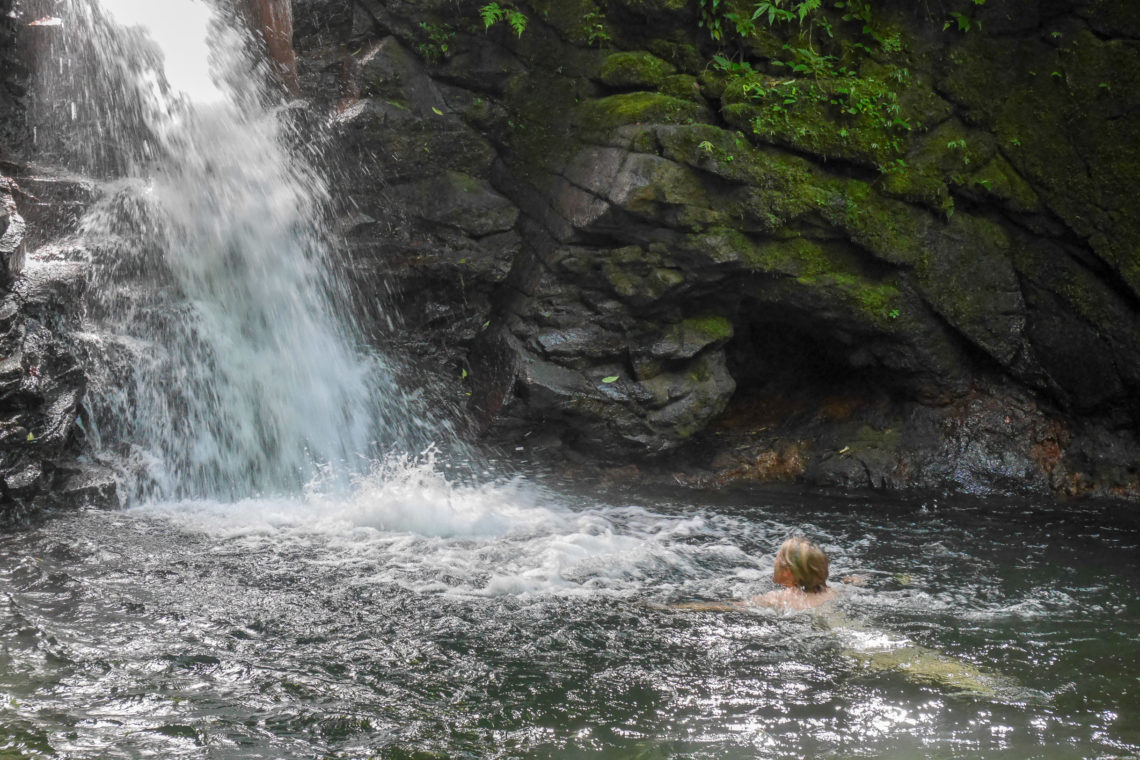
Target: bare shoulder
793 599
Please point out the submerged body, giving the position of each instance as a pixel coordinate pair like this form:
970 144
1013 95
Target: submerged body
801 569
792 599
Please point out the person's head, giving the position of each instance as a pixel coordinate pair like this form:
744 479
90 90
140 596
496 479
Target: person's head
801 564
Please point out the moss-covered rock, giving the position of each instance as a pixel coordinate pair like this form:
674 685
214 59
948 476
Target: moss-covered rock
689 337
1083 175
969 279
635 70
683 87
890 230
850 118
605 114
943 222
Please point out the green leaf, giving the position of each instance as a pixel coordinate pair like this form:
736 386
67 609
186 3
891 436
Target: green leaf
610 379
436 111
32 437
491 13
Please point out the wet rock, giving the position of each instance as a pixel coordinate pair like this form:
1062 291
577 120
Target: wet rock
21 481
459 200
86 484
597 410
41 380
51 202
969 279
12 239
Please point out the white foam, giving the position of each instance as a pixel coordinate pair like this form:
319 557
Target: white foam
407 523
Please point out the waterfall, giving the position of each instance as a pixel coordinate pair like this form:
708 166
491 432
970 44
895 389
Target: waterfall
222 364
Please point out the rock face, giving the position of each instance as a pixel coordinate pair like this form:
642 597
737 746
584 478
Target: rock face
898 255
861 250
41 380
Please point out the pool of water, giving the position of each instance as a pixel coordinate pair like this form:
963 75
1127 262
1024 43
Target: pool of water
419 618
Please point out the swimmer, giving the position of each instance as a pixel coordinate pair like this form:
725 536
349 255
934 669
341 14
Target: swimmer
801 568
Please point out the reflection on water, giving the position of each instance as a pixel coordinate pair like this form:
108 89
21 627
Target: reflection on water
508 621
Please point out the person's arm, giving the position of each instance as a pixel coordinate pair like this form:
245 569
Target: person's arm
701 606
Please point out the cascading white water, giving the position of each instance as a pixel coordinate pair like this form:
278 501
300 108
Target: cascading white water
217 352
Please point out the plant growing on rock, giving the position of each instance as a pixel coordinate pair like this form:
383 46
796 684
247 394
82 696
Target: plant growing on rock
964 21
834 87
594 27
493 13
437 45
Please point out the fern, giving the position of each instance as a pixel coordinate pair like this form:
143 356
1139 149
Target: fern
492 14
773 10
806 7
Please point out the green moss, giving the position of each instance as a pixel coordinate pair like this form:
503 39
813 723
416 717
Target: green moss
1000 181
1049 268
871 437
540 133
916 186
771 187
853 118
709 328
566 16
605 114
969 279
880 302
684 57
1086 177
683 87
893 231
635 70
729 155
657 6
712 83
798 257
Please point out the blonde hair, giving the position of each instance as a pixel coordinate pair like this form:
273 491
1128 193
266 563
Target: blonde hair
807 562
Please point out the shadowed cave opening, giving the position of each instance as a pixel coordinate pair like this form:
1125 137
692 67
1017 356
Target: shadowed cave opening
791 368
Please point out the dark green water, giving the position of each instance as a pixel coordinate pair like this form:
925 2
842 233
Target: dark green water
414 619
